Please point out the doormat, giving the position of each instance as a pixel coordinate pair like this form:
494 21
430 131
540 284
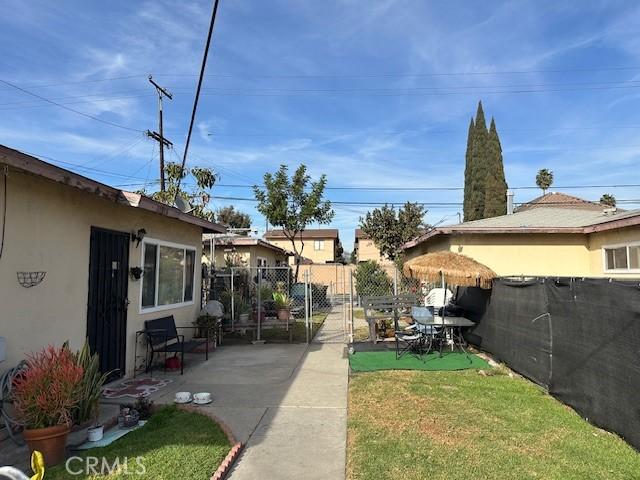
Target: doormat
142 387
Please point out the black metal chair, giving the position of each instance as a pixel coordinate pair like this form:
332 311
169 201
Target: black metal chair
162 337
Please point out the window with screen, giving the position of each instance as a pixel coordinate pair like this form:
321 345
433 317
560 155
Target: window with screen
622 257
169 274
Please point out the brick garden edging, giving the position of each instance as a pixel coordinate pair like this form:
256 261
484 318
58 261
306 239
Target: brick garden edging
229 460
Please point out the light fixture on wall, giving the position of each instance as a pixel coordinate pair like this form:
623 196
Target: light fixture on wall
136 273
138 236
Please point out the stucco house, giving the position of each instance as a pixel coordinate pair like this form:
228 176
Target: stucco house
555 239
71 250
320 245
366 249
251 252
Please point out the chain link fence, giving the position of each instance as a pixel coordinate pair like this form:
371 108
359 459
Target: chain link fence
268 304
369 279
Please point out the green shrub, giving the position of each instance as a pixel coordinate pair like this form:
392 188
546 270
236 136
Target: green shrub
371 279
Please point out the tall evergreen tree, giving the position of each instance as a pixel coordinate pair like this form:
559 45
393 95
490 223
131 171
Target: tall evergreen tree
495 196
467 206
478 173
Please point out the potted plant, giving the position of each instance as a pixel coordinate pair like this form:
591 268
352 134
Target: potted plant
243 308
45 397
283 305
90 390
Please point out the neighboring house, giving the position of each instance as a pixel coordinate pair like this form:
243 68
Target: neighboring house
560 200
251 252
321 245
85 237
366 249
549 241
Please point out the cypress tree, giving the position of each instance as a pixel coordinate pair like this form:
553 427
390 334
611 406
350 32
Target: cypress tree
467 172
478 171
495 196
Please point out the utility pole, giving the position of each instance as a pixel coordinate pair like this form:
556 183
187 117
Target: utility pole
159 136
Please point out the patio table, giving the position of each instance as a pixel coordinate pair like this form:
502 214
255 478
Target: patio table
451 327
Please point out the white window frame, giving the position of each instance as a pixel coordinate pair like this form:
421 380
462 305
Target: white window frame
318 242
163 243
619 270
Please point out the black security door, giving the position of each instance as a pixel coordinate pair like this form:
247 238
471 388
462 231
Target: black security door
107 304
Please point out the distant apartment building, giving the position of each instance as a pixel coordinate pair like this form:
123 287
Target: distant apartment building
366 250
316 245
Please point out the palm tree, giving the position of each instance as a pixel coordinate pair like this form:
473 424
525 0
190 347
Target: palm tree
544 179
608 200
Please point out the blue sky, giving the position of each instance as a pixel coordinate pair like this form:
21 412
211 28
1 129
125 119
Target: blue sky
374 94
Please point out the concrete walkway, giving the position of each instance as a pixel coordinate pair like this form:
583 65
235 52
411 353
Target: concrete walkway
305 434
286 403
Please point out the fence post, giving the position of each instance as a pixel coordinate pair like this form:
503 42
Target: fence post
351 307
259 312
306 304
233 303
395 280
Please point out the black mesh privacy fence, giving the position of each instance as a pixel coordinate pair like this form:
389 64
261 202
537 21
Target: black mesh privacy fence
579 338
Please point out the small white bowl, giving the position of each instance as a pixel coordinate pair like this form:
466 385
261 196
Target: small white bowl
182 397
202 398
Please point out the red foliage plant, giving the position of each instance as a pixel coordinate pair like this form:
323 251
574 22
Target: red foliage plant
47 392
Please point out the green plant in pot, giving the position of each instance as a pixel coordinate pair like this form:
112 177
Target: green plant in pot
283 305
45 397
243 308
90 390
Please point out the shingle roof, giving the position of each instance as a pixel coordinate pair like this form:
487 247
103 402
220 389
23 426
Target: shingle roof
240 241
360 235
539 220
309 233
547 217
560 200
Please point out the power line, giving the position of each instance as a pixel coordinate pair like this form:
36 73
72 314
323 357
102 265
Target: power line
106 122
195 102
81 82
406 74
421 189
426 204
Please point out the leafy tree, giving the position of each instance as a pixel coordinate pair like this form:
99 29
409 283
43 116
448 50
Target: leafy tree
544 179
371 279
389 231
232 218
293 204
608 200
353 257
495 193
198 197
339 252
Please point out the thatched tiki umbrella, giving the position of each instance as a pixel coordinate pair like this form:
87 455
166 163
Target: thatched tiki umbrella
454 268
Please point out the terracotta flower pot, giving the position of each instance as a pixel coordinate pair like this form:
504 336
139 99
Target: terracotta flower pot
283 314
50 441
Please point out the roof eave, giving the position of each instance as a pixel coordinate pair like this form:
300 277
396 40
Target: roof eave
36 167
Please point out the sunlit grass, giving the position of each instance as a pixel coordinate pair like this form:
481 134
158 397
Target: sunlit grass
174 444
449 425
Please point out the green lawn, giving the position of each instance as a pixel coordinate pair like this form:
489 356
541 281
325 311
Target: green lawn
281 335
175 445
462 425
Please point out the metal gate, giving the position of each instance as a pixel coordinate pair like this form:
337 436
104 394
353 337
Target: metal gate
107 302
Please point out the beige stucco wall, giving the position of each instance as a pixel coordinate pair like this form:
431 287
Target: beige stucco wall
367 250
48 229
578 255
248 254
317 256
597 241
